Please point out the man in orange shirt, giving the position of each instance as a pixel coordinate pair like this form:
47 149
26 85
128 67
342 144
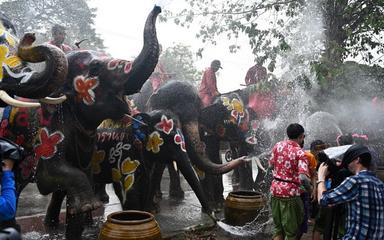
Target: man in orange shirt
208 86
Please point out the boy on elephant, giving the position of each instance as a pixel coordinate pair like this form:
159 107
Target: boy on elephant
208 86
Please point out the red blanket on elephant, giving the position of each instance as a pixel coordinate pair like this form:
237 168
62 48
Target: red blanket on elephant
262 103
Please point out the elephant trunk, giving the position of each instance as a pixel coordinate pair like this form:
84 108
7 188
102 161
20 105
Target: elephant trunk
34 84
189 174
198 155
145 63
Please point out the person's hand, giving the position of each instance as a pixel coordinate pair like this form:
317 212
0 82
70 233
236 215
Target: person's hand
314 194
7 164
322 172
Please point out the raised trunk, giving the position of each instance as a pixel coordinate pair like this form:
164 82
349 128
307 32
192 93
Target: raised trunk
197 154
35 84
145 63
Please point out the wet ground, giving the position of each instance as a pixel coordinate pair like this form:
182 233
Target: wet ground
181 219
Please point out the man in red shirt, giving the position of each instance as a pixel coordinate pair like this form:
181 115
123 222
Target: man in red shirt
58 35
290 167
255 74
208 87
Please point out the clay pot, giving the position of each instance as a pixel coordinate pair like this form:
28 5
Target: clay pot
130 224
380 172
241 207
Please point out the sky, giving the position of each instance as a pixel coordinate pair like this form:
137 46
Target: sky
120 24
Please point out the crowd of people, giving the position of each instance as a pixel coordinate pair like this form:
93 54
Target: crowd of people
347 198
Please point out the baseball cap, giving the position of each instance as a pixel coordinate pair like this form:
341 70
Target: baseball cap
353 152
216 63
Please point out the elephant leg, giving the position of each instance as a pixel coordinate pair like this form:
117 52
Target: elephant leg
155 177
243 173
190 175
53 175
75 225
245 176
175 190
158 194
101 193
51 220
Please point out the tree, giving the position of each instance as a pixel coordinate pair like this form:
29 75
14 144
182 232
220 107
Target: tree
178 61
40 15
351 26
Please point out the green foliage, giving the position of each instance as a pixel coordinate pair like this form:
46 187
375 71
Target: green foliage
352 27
178 61
40 15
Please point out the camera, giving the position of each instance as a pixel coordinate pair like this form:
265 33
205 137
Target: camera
10 150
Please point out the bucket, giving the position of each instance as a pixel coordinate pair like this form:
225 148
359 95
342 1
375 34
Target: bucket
241 207
130 224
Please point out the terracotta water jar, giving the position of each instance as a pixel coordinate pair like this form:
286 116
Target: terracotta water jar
130 224
241 207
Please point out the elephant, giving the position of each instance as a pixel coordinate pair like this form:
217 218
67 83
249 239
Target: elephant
60 138
129 154
227 119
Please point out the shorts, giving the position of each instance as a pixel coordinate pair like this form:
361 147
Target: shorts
288 215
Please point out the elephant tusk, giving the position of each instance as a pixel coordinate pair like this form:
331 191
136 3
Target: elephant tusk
50 100
17 103
258 163
175 165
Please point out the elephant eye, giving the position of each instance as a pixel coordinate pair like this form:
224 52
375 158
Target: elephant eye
95 68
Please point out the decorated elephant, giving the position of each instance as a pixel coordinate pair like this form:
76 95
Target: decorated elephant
227 119
133 153
60 138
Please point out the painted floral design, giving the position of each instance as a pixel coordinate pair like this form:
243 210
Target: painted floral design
236 107
10 39
165 125
154 142
115 63
179 140
11 61
125 173
48 143
97 159
84 88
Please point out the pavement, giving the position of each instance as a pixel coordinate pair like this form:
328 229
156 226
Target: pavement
181 219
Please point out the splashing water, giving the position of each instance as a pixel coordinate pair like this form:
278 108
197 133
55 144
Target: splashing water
259 226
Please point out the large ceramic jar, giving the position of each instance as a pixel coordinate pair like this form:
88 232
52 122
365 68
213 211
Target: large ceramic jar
241 207
130 224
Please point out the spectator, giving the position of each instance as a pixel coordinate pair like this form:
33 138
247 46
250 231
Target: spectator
10 153
363 194
58 37
208 86
290 167
255 74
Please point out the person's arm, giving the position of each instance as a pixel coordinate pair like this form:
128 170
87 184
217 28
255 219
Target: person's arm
8 192
345 192
303 170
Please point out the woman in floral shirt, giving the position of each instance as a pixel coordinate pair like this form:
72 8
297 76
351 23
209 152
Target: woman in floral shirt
290 167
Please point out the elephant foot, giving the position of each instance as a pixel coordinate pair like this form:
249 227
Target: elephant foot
176 194
51 224
80 204
158 196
